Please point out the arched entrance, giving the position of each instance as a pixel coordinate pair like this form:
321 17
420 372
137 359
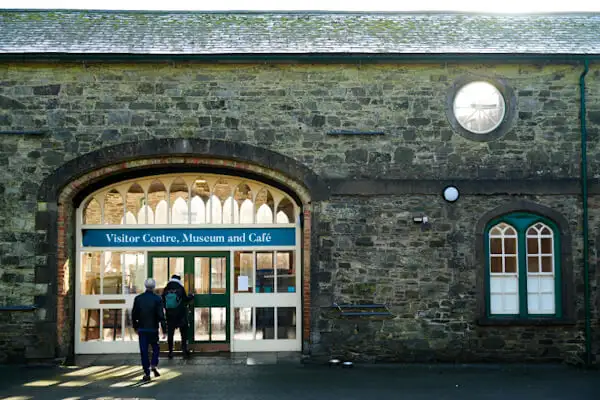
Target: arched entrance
65 194
233 240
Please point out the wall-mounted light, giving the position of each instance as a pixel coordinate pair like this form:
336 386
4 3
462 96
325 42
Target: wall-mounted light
450 194
420 219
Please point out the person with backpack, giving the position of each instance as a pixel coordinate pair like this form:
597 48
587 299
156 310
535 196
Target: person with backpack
175 300
147 314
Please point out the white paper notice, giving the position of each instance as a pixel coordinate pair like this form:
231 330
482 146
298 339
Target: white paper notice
242 283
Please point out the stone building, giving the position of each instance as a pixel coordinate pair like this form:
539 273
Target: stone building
379 187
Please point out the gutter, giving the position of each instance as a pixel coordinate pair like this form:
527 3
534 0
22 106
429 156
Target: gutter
296 58
584 195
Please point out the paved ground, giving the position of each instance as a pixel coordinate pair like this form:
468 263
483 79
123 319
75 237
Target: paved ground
286 378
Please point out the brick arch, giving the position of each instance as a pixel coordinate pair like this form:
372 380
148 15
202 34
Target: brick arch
56 208
566 257
217 152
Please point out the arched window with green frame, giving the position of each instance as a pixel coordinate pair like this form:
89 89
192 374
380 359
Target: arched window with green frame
523 272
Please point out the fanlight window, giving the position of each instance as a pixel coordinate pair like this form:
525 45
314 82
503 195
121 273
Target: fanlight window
522 267
189 199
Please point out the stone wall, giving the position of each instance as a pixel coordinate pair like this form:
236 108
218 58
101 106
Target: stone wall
367 247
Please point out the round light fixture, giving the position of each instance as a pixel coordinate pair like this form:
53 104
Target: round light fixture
451 194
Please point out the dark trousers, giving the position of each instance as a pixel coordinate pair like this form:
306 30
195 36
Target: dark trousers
145 339
183 329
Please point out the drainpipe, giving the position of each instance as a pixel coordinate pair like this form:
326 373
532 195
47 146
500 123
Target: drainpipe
584 195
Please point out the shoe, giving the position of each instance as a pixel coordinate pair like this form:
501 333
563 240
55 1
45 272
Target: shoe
155 372
170 355
146 378
186 354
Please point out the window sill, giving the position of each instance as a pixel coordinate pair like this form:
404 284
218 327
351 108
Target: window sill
489 321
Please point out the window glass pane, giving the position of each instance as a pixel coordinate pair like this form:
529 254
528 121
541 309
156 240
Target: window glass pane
112 325
547 303
533 284
179 201
496 231
286 323
157 202
230 211
242 324
201 270
510 264
510 246
130 334
496 246
112 271
533 303
221 191
90 273
242 269
218 268
265 323
145 215
286 273
243 198
216 208
264 207
160 272
199 202
176 266
201 324
135 272
532 245
547 284
90 324
264 273
533 264
510 284
92 213
135 200
496 265
547 245
511 304
198 210
496 304
547 264
113 208
285 212
246 212
218 320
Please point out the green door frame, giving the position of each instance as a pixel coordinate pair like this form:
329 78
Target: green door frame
200 300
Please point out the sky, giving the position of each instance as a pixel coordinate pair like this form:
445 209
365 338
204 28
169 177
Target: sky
493 6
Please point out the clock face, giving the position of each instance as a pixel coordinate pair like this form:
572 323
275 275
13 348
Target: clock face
479 107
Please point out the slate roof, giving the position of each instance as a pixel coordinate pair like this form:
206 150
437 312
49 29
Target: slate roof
202 33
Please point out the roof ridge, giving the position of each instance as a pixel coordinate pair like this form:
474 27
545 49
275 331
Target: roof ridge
300 12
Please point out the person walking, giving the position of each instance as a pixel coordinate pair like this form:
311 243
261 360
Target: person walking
147 315
175 300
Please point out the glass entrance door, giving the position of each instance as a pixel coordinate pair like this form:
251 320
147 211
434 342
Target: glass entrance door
207 276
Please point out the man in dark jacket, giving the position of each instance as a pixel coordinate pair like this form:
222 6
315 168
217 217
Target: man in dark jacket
146 315
175 300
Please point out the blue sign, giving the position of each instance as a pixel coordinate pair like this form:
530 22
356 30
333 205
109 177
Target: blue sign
189 237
